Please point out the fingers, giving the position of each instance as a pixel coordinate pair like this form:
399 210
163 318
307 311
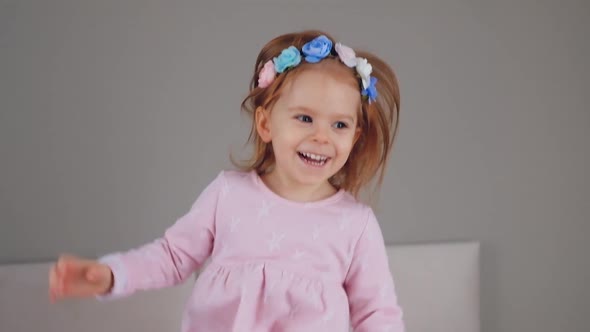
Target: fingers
63 267
53 284
59 276
76 277
65 263
93 274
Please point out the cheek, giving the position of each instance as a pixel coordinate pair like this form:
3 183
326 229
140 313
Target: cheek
344 144
285 142
291 134
286 137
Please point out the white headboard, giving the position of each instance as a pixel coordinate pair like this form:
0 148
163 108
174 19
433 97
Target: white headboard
437 286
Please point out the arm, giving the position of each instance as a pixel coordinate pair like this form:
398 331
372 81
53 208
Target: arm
369 284
168 260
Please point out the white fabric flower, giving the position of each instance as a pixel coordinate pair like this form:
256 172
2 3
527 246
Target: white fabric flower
364 69
346 54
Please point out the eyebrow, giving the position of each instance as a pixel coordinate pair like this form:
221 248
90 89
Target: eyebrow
312 111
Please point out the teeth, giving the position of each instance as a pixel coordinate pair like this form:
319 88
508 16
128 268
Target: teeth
314 156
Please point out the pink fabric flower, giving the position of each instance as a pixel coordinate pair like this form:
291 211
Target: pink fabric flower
346 54
267 74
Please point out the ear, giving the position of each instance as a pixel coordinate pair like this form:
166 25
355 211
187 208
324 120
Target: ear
357 135
262 118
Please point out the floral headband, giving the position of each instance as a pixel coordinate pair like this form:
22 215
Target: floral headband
314 51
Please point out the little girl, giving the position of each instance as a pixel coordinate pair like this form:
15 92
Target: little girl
289 247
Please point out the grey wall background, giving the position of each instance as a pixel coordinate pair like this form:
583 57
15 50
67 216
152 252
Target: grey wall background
116 114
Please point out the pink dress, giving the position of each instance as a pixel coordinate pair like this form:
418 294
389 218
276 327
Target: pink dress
275 264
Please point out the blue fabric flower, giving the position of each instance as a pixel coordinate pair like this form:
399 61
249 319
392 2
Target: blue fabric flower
371 90
317 49
289 57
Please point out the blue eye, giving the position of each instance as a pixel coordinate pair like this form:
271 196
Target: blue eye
304 118
341 125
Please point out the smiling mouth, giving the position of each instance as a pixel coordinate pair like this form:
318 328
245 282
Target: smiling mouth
313 159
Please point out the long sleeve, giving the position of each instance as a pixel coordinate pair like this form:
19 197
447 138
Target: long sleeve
168 260
369 284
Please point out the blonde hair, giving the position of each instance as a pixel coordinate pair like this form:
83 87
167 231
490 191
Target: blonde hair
378 121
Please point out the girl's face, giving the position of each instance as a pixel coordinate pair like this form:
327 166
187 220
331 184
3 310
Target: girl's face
312 126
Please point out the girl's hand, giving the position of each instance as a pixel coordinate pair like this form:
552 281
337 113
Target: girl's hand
77 277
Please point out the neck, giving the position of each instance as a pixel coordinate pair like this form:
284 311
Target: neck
286 188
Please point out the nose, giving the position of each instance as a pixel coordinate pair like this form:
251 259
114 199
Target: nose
321 134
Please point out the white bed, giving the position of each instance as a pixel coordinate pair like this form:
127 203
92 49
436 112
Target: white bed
437 286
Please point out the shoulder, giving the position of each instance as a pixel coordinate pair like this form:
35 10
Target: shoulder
367 232
235 178
232 175
354 209
223 181
349 203
229 183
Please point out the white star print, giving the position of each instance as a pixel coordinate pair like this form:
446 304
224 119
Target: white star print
234 224
316 232
275 242
263 210
150 253
224 188
298 254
